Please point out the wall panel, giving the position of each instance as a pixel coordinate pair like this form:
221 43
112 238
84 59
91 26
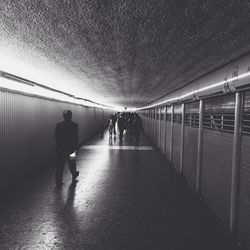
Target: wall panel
217 170
168 142
190 155
244 194
176 145
162 141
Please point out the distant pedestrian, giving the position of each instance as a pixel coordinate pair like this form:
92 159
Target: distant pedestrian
66 135
121 126
111 127
114 119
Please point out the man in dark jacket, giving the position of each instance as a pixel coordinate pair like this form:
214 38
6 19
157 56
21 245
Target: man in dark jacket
66 135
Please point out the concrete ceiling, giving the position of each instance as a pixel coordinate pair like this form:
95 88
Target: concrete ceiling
128 52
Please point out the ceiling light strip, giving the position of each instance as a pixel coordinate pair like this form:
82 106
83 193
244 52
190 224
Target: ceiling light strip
197 91
31 87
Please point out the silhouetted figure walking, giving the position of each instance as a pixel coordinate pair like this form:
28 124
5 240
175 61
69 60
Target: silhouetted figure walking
121 126
114 118
66 135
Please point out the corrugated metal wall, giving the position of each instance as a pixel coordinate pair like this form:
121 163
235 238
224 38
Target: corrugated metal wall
244 185
217 152
244 194
190 155
168 139
163 135
176 145
217 170
27 132
177 136
191 142
155 128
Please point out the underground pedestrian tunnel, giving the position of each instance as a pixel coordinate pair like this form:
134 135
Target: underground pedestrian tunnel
183 67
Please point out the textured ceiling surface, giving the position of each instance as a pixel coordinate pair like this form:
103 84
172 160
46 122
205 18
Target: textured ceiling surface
133 52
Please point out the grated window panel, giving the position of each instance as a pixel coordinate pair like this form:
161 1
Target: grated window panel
177 114
192 120
219 121
191 117
157 115
168 116
245 125
162 113
177 118
219 113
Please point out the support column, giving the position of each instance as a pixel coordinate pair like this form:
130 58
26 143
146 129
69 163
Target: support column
171 133
155 127
200 142
234 203
165 123
182 137
152 125
150 122
159 129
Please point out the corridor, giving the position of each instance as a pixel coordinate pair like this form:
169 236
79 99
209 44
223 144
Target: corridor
126 198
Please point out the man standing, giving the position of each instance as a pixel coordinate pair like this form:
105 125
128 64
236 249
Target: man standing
66 135
114 118
121 126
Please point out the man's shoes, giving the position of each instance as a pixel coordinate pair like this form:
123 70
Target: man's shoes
75 175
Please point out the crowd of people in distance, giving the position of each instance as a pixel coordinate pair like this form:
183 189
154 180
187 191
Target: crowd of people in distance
125 121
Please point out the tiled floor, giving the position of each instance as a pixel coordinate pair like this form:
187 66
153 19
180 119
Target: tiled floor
126 198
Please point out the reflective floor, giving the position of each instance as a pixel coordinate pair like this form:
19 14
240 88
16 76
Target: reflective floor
126 197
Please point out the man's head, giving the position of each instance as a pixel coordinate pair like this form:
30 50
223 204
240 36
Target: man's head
67 115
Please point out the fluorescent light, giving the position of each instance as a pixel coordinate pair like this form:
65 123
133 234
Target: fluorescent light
26 63
13 84
198 91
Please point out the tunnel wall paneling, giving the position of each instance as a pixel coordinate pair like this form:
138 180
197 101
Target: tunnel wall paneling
155 128
27 132
244 183
191 133
217 149
190 155
217 170
152 126
162 141
148 125
145 124
168 143
176 150
176 145
244 194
